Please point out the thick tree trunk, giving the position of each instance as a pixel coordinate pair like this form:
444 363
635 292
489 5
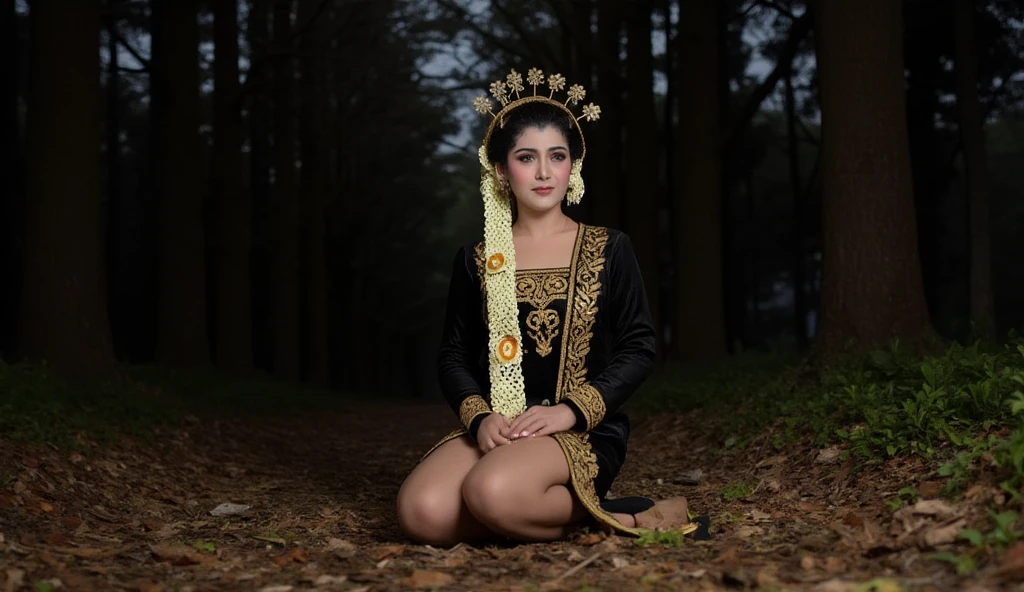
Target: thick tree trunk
174 83
642 154
11 170
605 157
871 288
313 188
700 324
972 136
232 213
284 244
63 316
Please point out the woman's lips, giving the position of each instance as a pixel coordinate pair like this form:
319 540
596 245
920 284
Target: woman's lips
543 190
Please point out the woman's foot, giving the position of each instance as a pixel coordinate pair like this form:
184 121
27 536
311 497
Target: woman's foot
667 514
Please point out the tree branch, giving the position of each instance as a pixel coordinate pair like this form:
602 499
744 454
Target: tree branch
801 27
466 18
124 43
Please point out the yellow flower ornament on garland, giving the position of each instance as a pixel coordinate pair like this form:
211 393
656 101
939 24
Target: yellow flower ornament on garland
508 392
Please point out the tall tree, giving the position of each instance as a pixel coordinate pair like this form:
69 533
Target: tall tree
972 137
606 158
63 315
11 198
174 112
700 326
232 213
871 288
642 150
315 151
284 255
260 113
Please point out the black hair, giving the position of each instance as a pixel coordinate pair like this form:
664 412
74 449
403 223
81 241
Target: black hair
535 114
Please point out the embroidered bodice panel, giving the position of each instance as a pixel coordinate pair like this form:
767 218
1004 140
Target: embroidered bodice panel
542 296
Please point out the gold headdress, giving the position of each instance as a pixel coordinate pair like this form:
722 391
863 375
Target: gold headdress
505 355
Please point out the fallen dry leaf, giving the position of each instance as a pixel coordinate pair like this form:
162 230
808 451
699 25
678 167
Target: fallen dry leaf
591 539
296 555
929 489
341 548
278 588
387 551
827 456
942 534
807 562
428 579
45 506
15 580
619 562
1012 566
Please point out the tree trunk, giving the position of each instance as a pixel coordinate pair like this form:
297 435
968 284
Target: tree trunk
11 170
315 151
605 155
174 83
63 316
972 136
798 231
260 114
284 256
642 154
232 214
871 290
700 326
112 228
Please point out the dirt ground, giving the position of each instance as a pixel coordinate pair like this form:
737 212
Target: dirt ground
321 489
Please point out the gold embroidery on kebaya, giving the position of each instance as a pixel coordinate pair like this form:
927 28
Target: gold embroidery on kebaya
582 472
543 327
471 407
539 288
581 309
590 403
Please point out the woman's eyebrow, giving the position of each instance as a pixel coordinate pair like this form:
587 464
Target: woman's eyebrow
534 150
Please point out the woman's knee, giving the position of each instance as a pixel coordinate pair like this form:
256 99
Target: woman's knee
493 496
427 515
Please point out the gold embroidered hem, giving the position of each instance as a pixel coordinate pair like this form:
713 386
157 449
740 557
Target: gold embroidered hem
471 407
455 434
582 472
591 403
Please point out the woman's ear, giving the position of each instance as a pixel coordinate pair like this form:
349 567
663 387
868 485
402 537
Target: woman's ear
501 169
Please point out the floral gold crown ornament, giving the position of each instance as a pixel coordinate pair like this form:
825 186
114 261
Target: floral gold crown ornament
505 355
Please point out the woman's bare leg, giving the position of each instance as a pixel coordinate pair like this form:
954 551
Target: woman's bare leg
430 506
520 490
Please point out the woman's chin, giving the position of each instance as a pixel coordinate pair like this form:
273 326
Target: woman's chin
539 206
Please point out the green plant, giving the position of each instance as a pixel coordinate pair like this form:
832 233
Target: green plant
736 491
668 538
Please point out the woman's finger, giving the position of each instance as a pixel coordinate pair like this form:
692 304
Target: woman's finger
532 426
523 417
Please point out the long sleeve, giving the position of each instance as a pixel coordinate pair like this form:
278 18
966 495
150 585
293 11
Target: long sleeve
632 336
463 339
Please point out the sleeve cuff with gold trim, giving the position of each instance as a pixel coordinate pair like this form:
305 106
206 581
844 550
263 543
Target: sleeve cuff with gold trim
590 403
472 407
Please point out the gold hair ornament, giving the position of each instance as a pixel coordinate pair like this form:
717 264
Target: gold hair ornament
505 355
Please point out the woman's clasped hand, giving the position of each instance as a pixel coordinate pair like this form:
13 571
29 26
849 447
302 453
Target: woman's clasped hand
539 420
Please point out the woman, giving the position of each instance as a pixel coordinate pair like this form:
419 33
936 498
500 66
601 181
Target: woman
547 333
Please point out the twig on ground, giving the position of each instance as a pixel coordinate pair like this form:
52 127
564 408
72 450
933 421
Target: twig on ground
578 566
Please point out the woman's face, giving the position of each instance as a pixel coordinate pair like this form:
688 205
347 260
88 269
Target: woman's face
538 168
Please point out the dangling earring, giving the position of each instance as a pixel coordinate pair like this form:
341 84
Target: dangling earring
504 186
575 192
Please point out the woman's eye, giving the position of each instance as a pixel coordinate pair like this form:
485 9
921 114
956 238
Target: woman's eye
525 158
559 157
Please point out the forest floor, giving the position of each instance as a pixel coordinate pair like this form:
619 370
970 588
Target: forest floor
321 489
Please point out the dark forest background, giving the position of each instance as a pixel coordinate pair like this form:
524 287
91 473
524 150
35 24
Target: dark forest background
280 185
